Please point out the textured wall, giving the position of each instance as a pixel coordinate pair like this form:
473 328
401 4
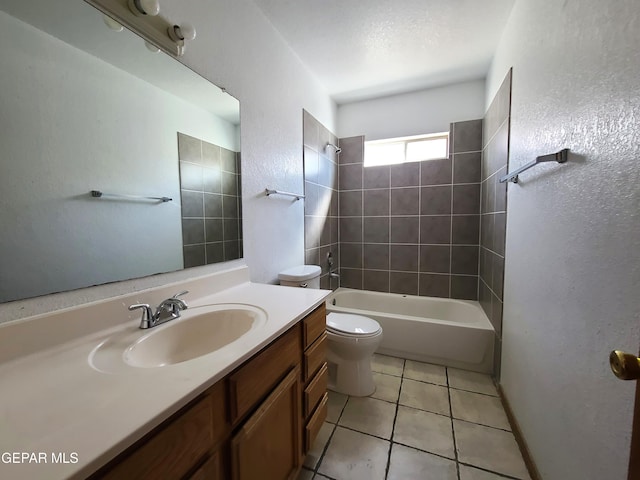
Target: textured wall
321 202
238 48
412 228
572 273
415 113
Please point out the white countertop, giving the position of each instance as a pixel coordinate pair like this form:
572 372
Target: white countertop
53 402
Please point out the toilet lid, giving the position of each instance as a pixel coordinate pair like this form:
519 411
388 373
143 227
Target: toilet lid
352 324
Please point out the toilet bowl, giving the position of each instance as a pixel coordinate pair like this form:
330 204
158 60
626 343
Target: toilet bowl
351 339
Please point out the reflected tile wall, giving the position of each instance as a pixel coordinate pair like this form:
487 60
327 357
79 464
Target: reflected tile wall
211 202
495 162
412 228
321 202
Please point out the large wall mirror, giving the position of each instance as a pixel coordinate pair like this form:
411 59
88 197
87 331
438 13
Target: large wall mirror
85 107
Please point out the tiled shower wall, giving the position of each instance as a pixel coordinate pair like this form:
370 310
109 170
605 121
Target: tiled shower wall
412 228
211 202
321 202
495 147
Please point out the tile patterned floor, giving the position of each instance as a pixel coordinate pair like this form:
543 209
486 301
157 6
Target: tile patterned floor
423 422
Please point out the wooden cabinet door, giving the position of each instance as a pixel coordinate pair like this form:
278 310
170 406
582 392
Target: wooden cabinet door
268 446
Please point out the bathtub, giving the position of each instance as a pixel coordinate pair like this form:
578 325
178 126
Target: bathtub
455 333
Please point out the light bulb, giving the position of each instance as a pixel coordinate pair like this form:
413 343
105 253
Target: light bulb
188 31
112 24
144 7
180 33
151 47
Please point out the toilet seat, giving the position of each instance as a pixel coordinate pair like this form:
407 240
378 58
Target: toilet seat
348 325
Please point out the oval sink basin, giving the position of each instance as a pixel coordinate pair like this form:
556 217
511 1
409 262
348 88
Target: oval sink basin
199 331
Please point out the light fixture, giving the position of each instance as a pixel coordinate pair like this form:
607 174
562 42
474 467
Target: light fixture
161 33
112 24
180 33
144 7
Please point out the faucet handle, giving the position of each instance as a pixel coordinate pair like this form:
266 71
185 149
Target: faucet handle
147 314
180 294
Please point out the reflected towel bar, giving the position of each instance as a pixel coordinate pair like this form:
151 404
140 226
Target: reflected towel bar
268 191
99 194
560 157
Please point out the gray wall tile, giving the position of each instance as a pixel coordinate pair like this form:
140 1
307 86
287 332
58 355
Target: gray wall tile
405 283
352 150
376 229
435 200
405 201
377 177
405 174
435 258
465 288
376 202
376 281
466 199
467 136
212 157
350 177
436 172
435 230
467 167
376 256
351 203
404 229
432 285
404 258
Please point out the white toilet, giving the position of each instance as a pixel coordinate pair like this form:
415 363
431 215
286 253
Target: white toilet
352 339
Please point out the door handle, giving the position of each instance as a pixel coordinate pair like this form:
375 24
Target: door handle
625 366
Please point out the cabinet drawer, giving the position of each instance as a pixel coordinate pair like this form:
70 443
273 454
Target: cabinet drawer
314 325
314 357
256 378
315 423
315 390
220 411
213 469
172 452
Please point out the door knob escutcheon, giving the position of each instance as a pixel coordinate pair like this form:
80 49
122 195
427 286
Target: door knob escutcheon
625 366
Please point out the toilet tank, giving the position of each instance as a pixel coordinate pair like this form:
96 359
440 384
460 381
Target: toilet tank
306 276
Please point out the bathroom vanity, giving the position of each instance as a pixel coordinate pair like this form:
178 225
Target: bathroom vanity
250 409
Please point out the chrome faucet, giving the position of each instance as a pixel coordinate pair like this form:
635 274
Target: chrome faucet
168 309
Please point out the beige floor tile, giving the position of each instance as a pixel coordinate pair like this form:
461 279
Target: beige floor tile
314 454
470 473
425 396
335 405
387 387
478 408
388 365
305 474
369 415
471 381
425 372
407 463
489 448
355 456
424 430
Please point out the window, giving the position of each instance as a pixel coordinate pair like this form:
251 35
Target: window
392 151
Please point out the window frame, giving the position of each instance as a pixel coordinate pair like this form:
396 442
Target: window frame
406 141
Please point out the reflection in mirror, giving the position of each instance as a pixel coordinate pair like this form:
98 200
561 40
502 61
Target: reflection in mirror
84 108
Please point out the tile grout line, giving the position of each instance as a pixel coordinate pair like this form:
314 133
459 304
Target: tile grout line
326 447
395 417
453 432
